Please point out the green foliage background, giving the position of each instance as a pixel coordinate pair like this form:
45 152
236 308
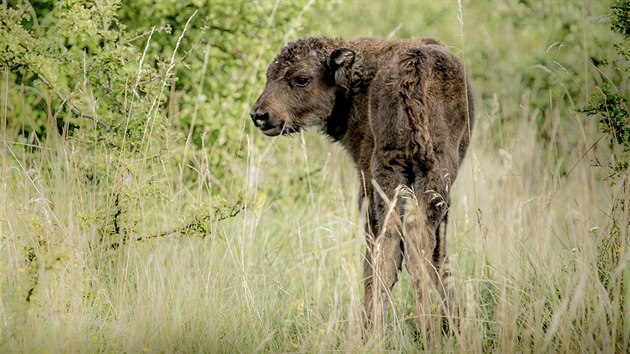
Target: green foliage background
140 211
124 80
115 63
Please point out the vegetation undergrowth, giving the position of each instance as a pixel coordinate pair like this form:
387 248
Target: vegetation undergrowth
140 211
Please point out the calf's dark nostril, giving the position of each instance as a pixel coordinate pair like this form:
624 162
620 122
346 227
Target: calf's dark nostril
260 116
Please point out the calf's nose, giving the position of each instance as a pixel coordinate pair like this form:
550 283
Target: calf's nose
259 117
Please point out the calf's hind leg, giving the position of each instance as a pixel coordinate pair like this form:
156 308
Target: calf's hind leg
385 248
444 284
424 242
382 266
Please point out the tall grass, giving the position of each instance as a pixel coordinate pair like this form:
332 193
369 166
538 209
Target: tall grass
527 232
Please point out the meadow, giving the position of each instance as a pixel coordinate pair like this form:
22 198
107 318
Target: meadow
142 212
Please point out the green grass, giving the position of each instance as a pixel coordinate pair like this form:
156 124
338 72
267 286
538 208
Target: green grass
528 231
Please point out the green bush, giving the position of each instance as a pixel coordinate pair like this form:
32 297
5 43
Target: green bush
115 63
140 86
610 103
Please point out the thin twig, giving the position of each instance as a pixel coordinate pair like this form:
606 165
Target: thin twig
236 209
167 28
68 101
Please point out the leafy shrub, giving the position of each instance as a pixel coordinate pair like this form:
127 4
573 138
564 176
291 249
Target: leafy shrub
141 88
611 106
620 20
610 103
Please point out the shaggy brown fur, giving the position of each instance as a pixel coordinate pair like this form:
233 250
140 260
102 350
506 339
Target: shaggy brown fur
403 110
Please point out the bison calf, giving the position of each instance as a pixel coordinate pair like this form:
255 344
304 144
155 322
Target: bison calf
404 111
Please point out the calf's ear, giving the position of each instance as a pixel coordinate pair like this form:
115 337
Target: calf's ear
339 63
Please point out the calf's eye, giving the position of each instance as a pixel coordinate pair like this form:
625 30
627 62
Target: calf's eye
301 81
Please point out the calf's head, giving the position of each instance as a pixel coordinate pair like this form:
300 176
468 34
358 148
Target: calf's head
303 83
